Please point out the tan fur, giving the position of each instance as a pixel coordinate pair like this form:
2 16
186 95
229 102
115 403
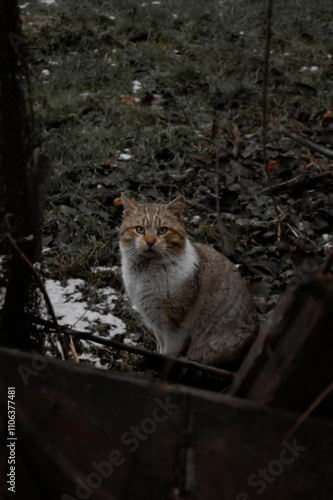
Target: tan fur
189 294
215 306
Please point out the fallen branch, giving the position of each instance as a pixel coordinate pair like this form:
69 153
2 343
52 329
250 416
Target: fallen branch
162 361
307 143
159 360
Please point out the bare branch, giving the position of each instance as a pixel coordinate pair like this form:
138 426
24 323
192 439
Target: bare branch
309 144
300 176
162 361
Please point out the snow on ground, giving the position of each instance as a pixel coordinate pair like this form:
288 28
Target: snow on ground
72 310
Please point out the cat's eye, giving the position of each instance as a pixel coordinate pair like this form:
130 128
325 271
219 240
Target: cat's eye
162 230
140 230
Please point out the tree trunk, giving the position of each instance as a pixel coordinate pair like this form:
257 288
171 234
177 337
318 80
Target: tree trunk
18 203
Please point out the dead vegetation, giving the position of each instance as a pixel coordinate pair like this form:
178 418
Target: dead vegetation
160 98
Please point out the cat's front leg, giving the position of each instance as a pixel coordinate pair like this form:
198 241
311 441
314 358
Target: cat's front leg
160 342
175 343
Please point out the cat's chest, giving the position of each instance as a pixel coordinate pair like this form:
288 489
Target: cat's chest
157 280
154 282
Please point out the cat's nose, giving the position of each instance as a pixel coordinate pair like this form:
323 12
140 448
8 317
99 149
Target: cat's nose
150 240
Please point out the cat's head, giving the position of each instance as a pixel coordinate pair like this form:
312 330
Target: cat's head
152 230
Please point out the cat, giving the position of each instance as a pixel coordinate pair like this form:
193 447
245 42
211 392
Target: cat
189 294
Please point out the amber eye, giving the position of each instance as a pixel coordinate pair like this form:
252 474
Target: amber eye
140 230
162 230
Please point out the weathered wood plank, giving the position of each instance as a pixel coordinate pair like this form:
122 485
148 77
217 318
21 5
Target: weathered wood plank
290 363
154 441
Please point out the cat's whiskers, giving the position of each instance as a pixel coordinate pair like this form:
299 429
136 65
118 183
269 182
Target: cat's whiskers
134 254
165 252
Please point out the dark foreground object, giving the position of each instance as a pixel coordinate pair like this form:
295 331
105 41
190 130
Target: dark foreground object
86 433
290 363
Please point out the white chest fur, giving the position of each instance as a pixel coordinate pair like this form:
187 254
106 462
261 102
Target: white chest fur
147 284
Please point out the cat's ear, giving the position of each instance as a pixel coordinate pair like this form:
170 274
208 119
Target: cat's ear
176 206
129 205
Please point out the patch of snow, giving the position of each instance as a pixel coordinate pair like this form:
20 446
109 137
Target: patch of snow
328 239
129 341
307 68
124 156
137 85
92 360
109 61
73 311
100 269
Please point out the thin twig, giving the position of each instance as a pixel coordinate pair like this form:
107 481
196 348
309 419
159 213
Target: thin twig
308 143
265 111
266 65
309 410
328 264
41 287
290 181
218 205
73 350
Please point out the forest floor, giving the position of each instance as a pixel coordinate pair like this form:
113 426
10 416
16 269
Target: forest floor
161 98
